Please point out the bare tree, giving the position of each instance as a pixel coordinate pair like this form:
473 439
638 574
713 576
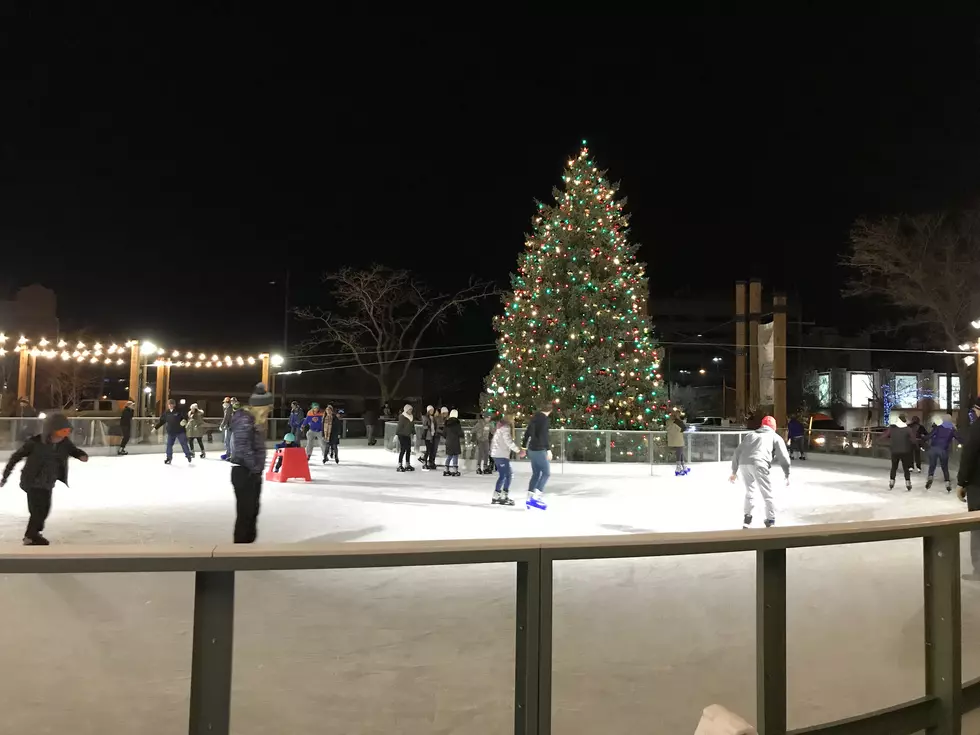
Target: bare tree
67 385
383 316
927 266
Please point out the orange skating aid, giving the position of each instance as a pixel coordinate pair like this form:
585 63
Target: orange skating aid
294 466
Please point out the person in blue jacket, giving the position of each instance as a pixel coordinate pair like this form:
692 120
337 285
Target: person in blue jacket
295 418
313 423
941 438
797 436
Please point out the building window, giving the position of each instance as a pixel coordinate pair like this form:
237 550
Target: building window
906 393
954 381
862 389
823 389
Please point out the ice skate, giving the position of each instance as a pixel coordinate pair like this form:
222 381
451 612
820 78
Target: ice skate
678 471
501 499
409 468
38 540
446 473
929 482
535 501
225 457
455 473
891 484
426 468
479 471
747 522
770 522
190 458
686 470
122 452
949 487
400 468
202 455
168 460
908 486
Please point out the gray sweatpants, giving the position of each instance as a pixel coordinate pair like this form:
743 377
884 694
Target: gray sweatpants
756 479
315 437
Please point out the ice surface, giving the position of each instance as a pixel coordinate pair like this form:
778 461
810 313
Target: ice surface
640 645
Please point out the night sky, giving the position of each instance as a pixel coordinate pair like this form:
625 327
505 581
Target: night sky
159 173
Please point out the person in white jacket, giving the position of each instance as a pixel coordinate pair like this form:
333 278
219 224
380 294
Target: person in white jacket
755 457
501 447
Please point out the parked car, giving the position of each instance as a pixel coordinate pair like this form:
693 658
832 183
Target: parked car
822 435
709 422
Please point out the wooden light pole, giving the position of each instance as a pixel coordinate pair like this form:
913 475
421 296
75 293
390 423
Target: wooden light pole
740 350
755 312
779 359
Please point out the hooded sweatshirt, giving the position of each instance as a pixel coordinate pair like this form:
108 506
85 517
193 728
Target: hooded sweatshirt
761 448
295 418
314 420
942 436
900 437
406 425
47 461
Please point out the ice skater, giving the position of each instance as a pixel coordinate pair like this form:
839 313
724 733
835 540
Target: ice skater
501 448
195 427
125 427
248 456
968 484
295 418
175 423
675 440
225 426
313 423
481 435
454 442
940 439
755 457
797 438
288 442
900 441
538 445
46 463
331 435
920 439
428 435
405 431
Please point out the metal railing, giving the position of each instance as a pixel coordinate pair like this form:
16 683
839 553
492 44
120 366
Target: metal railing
862 443
938 712
595 446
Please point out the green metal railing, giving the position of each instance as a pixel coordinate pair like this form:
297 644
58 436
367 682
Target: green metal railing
939 712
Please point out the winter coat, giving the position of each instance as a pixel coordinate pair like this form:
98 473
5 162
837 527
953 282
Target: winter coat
247 446
969 473
295 419
195 424
900 437
174 421
331 429
439 424
454 437
406 426
46 464
536 437
942 436
313 420
126 418
226 417
675 433
919 433
503 442
481 432
428 427
795 429
761 448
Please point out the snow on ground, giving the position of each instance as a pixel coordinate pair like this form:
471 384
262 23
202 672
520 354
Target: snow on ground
640 645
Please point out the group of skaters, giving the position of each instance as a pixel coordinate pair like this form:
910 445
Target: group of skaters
908 439
321 427
495 446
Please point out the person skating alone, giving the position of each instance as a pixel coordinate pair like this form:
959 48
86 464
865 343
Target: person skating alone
225 426
46 462
481 435
538 444
428 435
313 423
754 458
919 440
125 427
968 484
675 440
248 458
195 427
454 442
502 446
175 423
797 436
941 439
370 424
900 441
405 431
332 427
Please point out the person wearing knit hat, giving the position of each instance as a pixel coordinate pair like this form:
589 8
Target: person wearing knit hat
176 431
46 462
755 457
248 458
428 435
454 442
405 431
125 426
195 427
968 484
225 426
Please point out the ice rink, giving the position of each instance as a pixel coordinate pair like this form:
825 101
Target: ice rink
640 645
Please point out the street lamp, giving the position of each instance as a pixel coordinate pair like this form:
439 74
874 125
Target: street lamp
702 371
277 360
715 360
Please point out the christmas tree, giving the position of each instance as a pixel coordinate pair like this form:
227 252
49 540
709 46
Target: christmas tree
575 330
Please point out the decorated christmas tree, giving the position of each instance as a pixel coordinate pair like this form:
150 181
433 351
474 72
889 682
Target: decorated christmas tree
575 329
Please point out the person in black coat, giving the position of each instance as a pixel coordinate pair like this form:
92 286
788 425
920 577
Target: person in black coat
175 422
46 463
968 485
454 444
125 426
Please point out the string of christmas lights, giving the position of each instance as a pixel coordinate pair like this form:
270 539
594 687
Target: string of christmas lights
575 330
119 354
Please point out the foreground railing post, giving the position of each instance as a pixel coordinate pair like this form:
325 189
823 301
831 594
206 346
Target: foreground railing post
214 617
532 682
770 641
944 674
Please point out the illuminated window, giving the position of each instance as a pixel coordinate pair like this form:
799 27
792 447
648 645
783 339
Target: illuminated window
862 389
906 393
823 389
944 383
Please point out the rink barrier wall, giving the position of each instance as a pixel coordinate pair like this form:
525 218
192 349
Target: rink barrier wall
938 712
